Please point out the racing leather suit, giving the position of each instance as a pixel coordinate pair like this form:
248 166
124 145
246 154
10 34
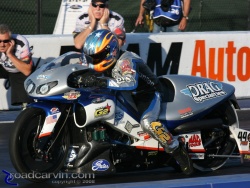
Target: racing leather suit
131 73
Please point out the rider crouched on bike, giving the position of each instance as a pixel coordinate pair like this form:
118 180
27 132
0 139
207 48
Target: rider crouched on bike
124 70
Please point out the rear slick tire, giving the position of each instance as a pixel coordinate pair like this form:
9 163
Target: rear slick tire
22 145
224 144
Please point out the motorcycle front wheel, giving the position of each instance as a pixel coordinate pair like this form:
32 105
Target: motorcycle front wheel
23 142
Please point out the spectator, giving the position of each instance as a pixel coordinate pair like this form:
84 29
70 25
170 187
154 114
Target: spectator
158 12
16 63
121 36
98 17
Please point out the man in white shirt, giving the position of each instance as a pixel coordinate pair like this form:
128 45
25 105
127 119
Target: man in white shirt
15 63
99 16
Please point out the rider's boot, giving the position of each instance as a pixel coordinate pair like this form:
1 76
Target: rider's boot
181 156
173 146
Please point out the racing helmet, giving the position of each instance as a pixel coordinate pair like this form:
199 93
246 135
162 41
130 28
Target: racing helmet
102 45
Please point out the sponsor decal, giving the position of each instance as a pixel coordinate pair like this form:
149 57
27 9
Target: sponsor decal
122 79
197 155
244 143
119 116
185 112
51 119
100 165
146 136
54 110
246 156
194 141
129 126
159 130
72 95
152 153
98 100
102 111
71 155
126 67
42 77
204 91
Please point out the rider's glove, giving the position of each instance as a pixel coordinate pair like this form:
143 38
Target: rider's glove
87 81
91 80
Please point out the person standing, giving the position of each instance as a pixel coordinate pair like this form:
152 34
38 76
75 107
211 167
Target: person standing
99 16
121 36
15 63
160 9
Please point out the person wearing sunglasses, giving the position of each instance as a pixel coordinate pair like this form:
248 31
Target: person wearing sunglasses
99 16
126 71
15 64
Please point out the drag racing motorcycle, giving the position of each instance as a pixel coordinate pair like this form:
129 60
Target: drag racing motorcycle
74 129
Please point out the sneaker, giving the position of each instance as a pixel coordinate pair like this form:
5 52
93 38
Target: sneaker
183 159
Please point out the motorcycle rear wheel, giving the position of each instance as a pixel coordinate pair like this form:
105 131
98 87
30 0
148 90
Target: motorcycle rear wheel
222 145
22 148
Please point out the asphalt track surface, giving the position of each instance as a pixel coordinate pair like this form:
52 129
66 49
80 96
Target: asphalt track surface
233 169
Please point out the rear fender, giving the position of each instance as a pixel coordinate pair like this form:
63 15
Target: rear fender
52 113
190 96
234 102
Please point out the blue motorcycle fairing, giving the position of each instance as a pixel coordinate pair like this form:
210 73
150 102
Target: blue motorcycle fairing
123 103
193 98
62 97
171 125
87 99
48 107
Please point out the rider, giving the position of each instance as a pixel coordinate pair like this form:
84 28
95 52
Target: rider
124 70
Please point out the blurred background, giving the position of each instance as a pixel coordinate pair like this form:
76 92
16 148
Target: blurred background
30 17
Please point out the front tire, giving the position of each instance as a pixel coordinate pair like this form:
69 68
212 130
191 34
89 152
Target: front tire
22 147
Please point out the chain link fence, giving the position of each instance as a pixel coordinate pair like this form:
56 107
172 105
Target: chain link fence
30 16
39 16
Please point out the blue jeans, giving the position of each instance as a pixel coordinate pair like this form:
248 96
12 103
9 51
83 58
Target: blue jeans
158 29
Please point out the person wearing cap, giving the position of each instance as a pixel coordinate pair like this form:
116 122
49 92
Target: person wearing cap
121 36
99 16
